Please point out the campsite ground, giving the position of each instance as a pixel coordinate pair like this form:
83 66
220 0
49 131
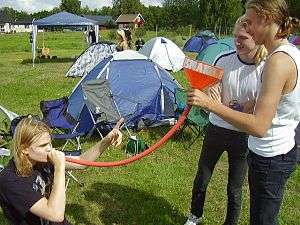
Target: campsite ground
155 190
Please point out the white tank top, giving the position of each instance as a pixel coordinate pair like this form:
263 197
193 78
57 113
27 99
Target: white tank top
280 137
239 83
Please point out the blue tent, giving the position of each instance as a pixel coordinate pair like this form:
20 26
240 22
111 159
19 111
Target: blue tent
209 54
141 89
200 41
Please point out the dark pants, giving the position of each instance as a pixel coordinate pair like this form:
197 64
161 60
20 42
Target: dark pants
267 178
216 141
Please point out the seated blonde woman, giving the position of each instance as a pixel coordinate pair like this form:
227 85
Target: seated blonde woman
122 43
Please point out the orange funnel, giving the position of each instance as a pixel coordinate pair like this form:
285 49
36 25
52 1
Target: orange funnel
201 75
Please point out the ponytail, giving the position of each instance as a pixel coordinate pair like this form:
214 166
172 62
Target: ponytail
288 27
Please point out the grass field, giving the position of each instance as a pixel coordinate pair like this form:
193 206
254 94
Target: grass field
153 191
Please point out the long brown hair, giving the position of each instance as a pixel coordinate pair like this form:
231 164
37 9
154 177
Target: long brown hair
27 132
277 10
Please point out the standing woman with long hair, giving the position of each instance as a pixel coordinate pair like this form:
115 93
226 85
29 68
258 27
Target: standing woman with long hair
242 69
272 155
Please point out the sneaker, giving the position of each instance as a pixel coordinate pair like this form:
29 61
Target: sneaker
193 220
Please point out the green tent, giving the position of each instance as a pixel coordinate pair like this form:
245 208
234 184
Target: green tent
210 53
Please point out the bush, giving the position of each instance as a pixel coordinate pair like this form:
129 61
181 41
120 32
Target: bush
140 32
112 34
185 31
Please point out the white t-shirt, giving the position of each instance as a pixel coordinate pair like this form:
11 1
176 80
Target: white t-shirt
280 137
239 83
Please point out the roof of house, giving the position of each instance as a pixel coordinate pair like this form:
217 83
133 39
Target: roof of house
22 22
128 18
102 20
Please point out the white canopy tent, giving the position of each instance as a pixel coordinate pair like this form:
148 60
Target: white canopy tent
60 19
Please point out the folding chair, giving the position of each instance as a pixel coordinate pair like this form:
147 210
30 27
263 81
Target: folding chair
196 120
55 115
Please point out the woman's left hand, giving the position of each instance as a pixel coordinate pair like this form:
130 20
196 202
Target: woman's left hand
215 93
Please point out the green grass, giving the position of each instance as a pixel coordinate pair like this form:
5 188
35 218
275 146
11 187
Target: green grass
154 190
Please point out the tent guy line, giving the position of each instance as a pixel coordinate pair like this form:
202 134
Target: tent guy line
140 155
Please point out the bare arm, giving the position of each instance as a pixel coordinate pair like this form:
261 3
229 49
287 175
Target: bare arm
274 84
113 138
53 209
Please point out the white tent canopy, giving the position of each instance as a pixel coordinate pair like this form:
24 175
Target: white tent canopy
60 19
164 52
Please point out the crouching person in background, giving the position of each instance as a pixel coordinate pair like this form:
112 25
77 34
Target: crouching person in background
32 186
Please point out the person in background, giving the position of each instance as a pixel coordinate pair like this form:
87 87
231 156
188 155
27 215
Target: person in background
273 152
92 36
139 43
121 41
238 85
32 186
128 36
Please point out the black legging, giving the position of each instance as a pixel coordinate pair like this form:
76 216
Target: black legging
216 141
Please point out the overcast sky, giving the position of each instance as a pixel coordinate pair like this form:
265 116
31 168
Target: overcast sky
38 5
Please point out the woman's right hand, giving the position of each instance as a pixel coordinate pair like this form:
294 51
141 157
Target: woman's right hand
57 158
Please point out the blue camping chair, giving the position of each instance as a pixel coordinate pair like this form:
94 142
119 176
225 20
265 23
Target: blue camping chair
55 115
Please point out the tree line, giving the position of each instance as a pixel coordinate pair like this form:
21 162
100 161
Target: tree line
180 15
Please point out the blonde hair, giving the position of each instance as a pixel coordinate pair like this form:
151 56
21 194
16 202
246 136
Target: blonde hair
26 133
241 22
121 33
277 10
261 52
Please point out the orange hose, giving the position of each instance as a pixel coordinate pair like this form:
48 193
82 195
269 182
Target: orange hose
140 155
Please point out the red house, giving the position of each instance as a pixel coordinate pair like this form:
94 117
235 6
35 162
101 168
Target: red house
124 20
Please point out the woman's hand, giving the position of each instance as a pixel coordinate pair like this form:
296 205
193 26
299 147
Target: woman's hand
248 107
57 158
114 137
198 98
215 93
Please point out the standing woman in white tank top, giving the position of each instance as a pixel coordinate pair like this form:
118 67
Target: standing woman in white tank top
242 70
272 156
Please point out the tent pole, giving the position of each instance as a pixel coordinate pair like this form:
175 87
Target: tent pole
97 33
33 45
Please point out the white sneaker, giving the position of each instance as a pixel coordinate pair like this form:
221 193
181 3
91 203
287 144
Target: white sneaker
193 220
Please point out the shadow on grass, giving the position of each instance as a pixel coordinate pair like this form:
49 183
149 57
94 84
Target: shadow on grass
79 214
124 205
56 60
186 136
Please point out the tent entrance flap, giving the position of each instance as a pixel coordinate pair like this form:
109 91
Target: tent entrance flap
99 100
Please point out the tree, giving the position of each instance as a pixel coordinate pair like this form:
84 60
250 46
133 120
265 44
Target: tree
153 16
126 7
294 7
72 6
105 10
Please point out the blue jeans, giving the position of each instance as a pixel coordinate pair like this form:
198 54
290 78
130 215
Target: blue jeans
267 177
216 141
